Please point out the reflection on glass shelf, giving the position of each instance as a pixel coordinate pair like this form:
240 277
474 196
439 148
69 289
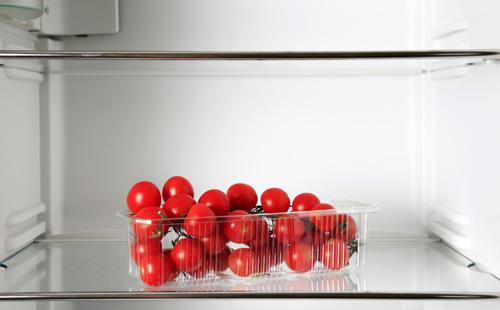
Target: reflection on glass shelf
327 282
103 267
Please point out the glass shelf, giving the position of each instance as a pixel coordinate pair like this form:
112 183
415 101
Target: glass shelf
51 270
254 55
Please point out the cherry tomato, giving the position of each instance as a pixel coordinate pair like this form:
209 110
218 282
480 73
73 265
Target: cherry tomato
242 262
289 229
212 264
345 227
216 200
177 185
157 269
213 244
239 226
305 202
275 200
268 255
324 222
220 261
141 249
142 195
148 224
200 221
300 257
178 206
133 251
334 254
316 237
201 271
187 255
242 197
262 233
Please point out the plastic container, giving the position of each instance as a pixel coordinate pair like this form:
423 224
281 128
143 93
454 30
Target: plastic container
21 10
253 246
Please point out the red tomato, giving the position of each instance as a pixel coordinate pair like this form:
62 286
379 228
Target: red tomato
334 254
268 256
305 202
142 195
157 269
289 229
214 264
275 248
213 244
215 200
148 224
202 271
133 251
317 238
187 255
220 261
275 200
242 197
177 185
239 226
300 257
178 206
262 233
141 249
324 222
200 221
345 227
242 262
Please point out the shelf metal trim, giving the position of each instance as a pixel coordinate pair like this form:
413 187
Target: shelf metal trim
64 296
261 55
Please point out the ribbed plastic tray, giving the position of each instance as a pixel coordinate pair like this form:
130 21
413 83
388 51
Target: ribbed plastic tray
270 245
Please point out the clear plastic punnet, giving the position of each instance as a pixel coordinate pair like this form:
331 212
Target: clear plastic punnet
242 246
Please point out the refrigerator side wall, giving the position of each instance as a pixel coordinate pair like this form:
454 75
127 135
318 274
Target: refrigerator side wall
20 200
466 109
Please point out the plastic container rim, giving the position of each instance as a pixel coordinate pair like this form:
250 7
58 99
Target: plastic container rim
341 207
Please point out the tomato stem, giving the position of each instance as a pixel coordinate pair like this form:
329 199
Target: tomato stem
352 246
180 233
257 210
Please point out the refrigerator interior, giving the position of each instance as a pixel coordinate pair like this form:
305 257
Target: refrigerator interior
415 137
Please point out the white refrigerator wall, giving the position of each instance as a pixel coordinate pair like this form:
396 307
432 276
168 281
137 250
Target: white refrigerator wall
20 196
343 131
356 130
267 131
465 125
468 150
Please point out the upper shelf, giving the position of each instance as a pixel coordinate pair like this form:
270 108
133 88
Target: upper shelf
262 55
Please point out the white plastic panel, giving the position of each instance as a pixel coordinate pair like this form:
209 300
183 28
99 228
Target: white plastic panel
465 106
75 17
479 16
19 163
15 38
259 25
467 153
20 202
21 10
